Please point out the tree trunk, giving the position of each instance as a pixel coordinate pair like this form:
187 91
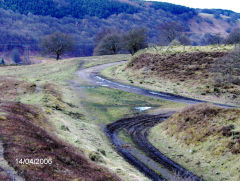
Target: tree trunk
58 56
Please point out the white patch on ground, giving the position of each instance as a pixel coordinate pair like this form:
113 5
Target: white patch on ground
142 108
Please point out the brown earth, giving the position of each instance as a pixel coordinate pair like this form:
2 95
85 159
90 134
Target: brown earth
10 88
178 66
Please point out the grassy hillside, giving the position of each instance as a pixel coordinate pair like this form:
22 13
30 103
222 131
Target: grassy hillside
41 118
47 110
204 139
186 72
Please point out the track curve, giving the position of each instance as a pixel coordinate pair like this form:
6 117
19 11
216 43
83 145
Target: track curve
152 163
91 75
138 128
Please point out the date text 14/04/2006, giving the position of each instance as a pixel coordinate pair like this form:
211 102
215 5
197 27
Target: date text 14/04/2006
34 161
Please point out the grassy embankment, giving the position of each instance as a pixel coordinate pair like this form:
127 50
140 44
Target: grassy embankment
38 107
41 98
41 117
183 72
202 138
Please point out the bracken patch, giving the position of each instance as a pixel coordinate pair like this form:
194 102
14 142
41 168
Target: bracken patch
25 134
197 123
179 66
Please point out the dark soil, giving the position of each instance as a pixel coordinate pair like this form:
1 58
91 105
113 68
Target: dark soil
24 135
138 128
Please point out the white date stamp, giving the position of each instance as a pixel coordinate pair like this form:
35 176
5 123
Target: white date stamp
34 161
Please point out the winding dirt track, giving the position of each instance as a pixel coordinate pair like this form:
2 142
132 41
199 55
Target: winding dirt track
150 161
138 128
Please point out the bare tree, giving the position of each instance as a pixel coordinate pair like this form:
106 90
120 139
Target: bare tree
171 30
110 44
104 32
135 40
213 39
57 43
184 40
234 37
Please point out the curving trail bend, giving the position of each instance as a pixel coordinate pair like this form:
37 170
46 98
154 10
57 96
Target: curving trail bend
149 161
138 128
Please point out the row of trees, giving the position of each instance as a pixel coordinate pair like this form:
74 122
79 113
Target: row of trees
112 42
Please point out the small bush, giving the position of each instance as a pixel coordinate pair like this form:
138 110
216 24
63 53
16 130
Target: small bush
65 128
96 157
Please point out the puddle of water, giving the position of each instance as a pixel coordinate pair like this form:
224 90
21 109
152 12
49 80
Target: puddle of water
142 108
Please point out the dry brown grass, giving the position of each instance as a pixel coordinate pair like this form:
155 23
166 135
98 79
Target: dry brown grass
191 69
195 124
11 88
178 66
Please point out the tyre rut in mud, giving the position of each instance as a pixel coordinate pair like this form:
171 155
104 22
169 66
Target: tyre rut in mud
138 128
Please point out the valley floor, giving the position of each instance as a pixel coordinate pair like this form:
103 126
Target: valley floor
68 109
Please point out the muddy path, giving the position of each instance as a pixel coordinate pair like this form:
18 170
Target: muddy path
138 128
149 161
